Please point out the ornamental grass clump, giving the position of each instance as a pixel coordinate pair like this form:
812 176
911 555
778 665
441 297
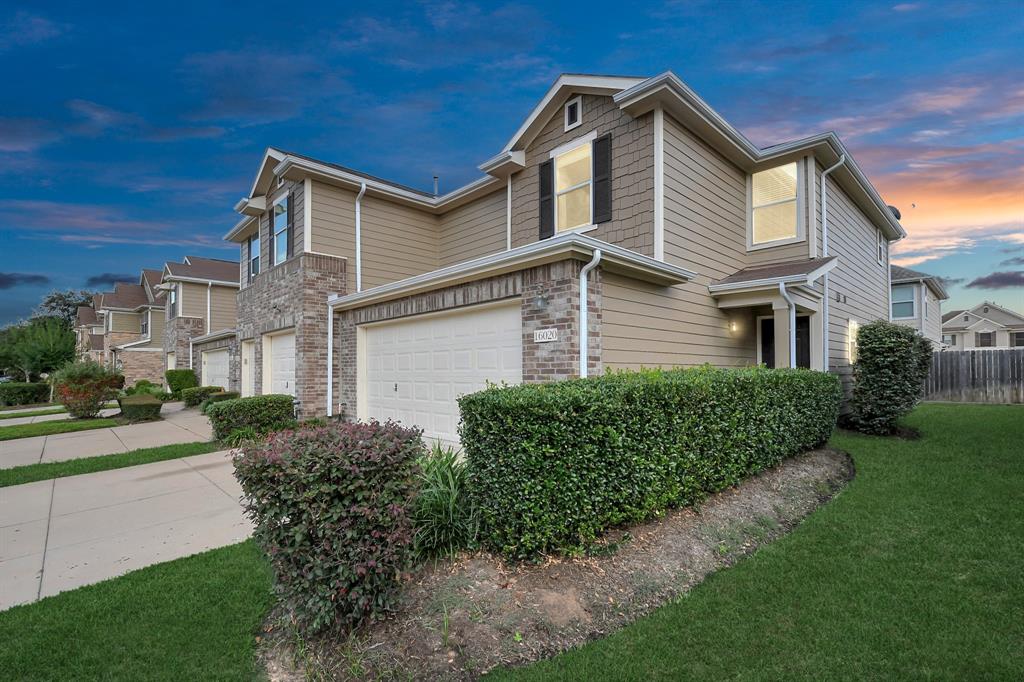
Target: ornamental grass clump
330 505
892 365
84 387
444 516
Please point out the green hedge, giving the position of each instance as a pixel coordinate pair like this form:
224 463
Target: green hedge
19 393
180 379
262 413
140 407
552 466
195 396
218 397
330 508
892 365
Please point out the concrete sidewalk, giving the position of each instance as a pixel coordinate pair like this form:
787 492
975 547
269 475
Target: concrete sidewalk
15 421
61 534
177 426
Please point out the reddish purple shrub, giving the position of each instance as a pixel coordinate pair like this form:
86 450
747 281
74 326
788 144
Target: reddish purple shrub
331 510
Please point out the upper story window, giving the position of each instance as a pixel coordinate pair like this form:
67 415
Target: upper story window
172 302
773 205
279 229
254 255
573 178
882 246
144 325
903 302
573 112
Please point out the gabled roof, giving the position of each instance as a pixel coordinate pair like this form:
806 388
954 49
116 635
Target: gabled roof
946 317
901 275
151 278
790 272
85 316
125 297
199 269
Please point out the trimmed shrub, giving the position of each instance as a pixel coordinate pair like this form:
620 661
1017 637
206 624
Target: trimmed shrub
218 397
194 396
83 388
329 505
19 393
180 379
263 413
892 365
552 466
444 516
140 407
145 387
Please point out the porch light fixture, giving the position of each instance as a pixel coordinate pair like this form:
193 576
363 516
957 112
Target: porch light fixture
733 326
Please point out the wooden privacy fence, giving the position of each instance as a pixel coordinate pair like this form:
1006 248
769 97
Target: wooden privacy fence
977 376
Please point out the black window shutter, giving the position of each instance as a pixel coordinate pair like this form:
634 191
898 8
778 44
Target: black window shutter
602 155
547 199
291 223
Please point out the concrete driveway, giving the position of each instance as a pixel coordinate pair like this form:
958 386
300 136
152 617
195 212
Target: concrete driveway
178 426
60 534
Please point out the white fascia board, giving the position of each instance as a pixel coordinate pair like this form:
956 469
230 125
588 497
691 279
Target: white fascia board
806 279
504 164
566 245
214 336
930 282
270 155
240 227
199 280
1012 313
124 346
985 319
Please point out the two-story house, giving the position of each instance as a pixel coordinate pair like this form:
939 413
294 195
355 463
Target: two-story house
623 208
984 326
89 327
917 301
201 318
133 329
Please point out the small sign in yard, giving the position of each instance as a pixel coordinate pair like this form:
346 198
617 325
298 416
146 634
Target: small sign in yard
545 335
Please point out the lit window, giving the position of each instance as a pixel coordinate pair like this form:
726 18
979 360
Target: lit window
882 244
573 180
173 301
279 228
774 204
573 113
254 255
903 302
144 327
854 328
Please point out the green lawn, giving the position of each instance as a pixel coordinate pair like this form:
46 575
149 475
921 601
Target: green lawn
34 413
51 428
88 465
915 571
191 619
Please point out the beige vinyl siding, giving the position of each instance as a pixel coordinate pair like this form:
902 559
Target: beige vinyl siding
398 241
156 330
125 322
192 300
223 311
632 223
334 225
473 230
933 324
298 217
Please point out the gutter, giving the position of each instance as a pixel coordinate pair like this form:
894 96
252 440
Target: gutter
792 324
824 254
584 312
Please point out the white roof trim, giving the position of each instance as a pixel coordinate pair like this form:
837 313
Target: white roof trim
144 341
998 307
271 153
806 279
200 280
214 336
613 257
985 319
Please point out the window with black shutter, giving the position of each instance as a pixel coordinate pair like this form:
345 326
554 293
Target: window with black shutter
547 206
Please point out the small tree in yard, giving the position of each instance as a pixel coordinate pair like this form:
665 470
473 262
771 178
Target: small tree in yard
889 373
85 387
39 347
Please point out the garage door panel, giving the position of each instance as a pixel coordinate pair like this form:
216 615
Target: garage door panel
215 368
282 371
469 348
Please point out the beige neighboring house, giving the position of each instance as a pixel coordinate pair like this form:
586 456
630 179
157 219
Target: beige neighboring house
89 327
133 328
201 319
986 326
917 302
623 208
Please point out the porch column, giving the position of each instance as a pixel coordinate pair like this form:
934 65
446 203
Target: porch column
780 311
817 339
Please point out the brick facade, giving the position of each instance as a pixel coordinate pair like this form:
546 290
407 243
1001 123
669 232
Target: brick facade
293 295
549 298
141 364
177 333
234 359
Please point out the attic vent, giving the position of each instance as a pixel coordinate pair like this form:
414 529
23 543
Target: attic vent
574 112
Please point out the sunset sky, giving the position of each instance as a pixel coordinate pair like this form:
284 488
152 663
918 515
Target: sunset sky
126 136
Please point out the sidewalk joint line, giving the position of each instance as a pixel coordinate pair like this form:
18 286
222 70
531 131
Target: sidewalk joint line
212 482
46 541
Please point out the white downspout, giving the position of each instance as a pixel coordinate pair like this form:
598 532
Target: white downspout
508 215
792 324
330 360
359 237
209 289
584 302
190 358
824 254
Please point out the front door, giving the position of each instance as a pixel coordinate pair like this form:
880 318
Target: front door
803 341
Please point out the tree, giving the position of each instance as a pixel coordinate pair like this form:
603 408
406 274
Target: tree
40 346
63 305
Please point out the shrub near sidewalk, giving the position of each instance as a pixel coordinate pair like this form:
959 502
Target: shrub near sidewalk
141 407
180 379
262 414
85 387
19 393
552 466
330 508
892 365
195 396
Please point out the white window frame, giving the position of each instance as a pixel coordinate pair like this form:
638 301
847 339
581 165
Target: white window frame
553 155
172 300
578 101
951 337
912 301
801 209
853 348
255 258
881 253
144 324
274 233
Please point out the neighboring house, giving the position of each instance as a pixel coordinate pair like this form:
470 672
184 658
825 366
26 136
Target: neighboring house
694 245
89 332
917 301
986 325
133 328
201 319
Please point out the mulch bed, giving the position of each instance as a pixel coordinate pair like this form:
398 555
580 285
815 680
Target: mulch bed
459 619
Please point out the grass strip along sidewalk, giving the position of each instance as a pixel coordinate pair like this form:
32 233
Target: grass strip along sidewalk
87 465
42 412
54 427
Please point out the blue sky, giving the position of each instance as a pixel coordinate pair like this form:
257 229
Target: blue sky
126 136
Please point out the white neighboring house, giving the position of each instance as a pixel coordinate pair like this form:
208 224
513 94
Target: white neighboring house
986 325
917 301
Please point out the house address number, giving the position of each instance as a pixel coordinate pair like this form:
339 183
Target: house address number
545 335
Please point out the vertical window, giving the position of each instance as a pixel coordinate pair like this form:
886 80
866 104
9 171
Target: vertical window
573 179
881 244
144 326
985 339
903 302
774 205
279 228
172 302
852 330
254 255
573 112
1017 339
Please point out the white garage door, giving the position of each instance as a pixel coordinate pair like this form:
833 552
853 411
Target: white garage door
215 368
282 364
414 370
